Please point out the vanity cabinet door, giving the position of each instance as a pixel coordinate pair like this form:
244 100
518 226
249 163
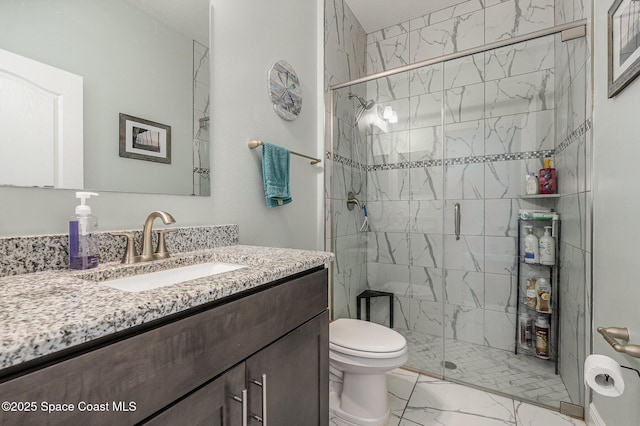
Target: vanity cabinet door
211 405
296 372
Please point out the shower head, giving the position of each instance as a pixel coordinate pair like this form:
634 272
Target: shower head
365 104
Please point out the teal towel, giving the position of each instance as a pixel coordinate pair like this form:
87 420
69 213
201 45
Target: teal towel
275 172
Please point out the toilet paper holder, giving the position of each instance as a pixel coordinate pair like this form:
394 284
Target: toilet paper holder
610 334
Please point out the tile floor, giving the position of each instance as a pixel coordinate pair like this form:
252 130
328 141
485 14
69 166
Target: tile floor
419 400
525 377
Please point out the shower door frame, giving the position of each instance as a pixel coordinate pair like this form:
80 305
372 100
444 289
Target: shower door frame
438 60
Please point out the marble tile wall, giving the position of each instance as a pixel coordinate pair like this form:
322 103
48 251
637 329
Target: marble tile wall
345 42
469 24
573 159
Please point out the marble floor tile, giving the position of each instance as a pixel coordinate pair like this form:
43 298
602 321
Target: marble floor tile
419 400
400 383
436 402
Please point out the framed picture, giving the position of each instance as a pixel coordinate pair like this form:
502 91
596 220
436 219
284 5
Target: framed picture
624 44
144 140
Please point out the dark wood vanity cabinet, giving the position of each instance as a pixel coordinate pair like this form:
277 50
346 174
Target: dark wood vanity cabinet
290 376
271 343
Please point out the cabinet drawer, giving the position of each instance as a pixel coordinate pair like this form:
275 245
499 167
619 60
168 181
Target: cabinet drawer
157 367
212 405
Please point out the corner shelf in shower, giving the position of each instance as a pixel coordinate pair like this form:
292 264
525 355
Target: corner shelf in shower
526 270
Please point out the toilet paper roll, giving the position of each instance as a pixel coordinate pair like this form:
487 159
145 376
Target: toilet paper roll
603 375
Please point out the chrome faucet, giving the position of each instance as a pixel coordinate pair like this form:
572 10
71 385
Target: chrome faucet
147 245
132 256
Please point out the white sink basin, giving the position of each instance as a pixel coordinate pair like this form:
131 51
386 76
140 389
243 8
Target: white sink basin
159 279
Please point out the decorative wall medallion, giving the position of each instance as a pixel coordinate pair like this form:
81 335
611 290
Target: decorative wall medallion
284 90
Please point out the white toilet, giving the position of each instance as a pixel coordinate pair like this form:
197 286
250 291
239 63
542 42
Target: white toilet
360 355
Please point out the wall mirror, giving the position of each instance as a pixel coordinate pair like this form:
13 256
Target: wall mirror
147 59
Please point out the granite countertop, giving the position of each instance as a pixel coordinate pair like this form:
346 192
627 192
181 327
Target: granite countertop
45 312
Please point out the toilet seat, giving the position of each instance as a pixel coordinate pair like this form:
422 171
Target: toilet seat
364 354
365 339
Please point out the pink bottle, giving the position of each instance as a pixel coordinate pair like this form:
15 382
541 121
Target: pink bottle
547 178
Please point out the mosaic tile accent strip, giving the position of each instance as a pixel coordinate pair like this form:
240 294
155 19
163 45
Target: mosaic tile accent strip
575 135
447 162
345 161
24 255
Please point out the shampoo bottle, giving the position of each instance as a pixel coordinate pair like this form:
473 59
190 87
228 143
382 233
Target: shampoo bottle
542 337
83 239
530 246
543 290
532 184
525 330
532 295
547 248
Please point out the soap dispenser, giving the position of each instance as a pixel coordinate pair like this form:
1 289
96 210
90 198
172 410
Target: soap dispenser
547 248
83 239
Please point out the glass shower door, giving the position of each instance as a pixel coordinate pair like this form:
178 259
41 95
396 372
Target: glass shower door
499 125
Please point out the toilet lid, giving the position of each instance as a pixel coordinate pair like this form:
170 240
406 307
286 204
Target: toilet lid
365 336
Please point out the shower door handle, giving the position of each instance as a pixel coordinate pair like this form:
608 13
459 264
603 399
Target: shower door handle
456 219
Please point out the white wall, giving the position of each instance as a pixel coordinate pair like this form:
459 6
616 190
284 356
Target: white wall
248 37
616 199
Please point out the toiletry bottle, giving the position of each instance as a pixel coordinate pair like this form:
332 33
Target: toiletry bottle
547 248
532 296
83 239
542 337
547 178
525 330
530 246
543 290
532 184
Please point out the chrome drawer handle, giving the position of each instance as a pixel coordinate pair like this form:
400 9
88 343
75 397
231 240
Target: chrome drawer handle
263 385
243 400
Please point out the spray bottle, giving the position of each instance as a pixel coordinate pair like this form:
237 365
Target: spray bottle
83 239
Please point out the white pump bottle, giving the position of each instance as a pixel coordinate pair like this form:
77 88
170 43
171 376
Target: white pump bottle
531 254
547 248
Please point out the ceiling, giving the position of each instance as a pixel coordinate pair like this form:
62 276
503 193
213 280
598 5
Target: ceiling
189 17
377 14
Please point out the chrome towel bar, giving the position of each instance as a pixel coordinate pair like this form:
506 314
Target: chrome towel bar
254 144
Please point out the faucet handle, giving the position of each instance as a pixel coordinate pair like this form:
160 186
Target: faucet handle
130 253
161 250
